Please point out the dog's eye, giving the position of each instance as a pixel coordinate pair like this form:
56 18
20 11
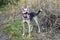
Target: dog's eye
26 13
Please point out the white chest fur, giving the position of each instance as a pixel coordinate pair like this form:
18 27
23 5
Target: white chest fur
26 17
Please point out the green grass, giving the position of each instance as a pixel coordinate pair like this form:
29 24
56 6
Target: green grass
15 28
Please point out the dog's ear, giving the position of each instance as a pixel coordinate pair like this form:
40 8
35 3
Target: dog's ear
40 9
22 9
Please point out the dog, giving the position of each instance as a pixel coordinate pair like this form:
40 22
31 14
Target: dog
28 17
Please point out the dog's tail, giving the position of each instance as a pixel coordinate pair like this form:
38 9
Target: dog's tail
39 11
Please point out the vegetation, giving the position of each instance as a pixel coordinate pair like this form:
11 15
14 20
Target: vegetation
7 4
11 22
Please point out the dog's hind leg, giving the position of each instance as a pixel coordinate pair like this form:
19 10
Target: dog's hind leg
31 26
36 20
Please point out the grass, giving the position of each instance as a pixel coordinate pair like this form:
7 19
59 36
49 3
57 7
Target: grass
15 28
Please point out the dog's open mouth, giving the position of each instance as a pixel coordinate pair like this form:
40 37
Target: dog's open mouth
25 16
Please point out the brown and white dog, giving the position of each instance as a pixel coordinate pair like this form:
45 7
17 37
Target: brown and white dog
28 17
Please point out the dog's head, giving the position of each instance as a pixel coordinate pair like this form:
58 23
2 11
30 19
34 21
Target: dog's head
25 11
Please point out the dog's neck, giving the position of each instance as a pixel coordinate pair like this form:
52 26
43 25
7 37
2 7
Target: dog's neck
25 15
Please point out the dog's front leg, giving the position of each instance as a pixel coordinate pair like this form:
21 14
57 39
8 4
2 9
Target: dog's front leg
36 20
23 23
29 25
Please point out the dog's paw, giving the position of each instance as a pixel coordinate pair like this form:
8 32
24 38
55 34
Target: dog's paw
28 36
23 34
39 31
